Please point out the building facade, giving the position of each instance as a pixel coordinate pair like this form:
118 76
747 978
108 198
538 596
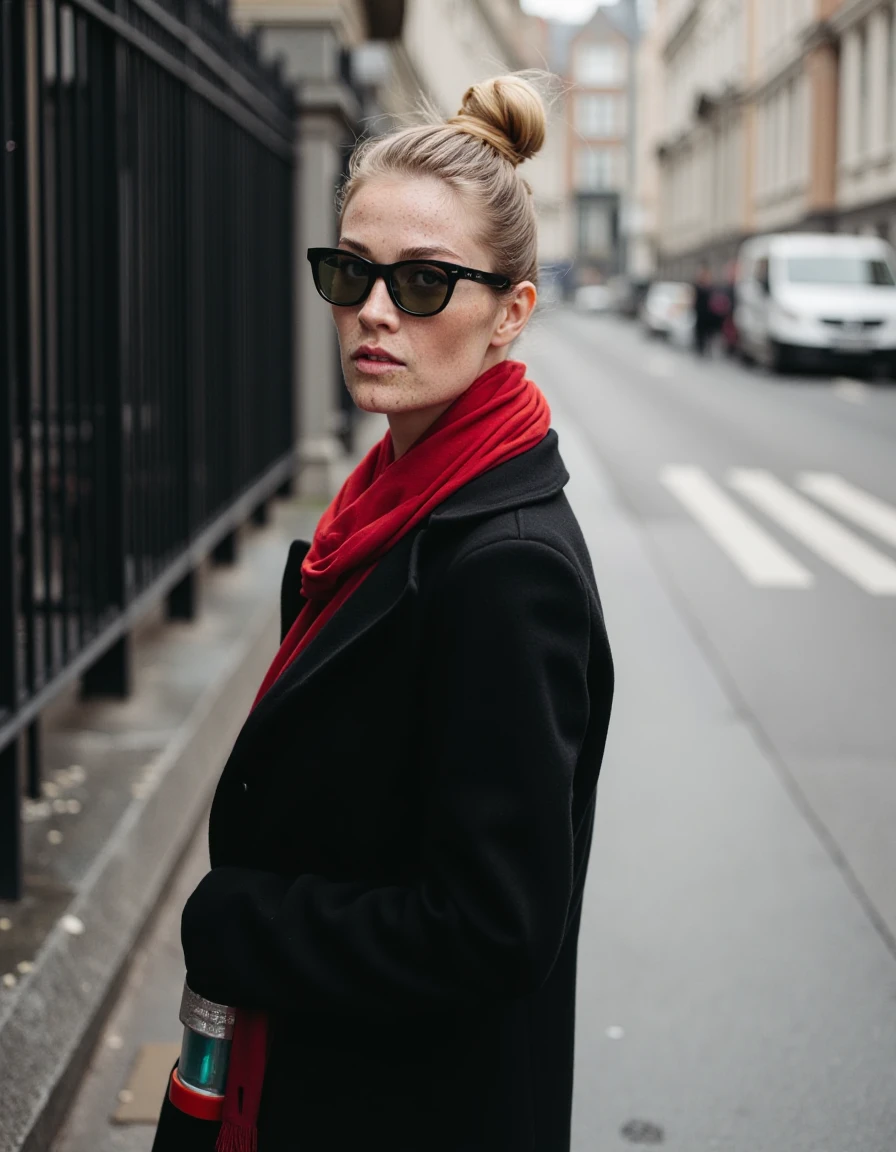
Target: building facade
866 164
599 73
643 231
775 116
705 128
781 109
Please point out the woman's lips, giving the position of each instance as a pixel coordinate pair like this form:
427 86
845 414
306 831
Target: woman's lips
371 367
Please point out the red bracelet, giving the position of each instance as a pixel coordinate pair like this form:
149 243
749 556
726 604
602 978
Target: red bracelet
198 1104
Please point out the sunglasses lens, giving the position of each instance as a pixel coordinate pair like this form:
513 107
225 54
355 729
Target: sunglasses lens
421 288
343 279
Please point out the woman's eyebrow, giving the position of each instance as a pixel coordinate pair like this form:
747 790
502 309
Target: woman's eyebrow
356 244
418 253
423 253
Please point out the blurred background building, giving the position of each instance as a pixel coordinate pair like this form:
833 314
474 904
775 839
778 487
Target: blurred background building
770 117
597 64
644 185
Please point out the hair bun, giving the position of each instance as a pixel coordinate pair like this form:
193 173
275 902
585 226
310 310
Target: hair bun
506 112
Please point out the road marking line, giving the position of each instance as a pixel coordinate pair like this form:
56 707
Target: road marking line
837 545
869 512
759 557
852 391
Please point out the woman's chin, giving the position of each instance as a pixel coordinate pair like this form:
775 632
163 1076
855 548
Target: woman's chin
378 397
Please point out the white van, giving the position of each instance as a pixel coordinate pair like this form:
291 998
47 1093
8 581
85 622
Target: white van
816 300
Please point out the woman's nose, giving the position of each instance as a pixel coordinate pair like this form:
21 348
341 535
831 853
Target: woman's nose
378 309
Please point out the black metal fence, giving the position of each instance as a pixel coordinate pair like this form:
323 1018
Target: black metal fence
146 376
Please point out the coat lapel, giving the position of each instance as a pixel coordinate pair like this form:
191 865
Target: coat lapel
380 594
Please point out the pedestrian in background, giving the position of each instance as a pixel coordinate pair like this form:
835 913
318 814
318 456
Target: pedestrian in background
704 317
399 839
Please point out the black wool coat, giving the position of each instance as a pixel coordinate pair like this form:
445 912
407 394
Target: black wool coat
400 837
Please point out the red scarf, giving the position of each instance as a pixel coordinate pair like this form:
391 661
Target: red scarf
501 415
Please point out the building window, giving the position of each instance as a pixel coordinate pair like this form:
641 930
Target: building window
595 169
597 116
598 65
596 229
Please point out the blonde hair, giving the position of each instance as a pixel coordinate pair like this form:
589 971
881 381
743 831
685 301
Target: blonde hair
501 123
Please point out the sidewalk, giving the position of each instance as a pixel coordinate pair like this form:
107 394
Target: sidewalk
143 1024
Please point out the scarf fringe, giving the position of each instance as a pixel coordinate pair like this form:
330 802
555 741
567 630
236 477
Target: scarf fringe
237 1138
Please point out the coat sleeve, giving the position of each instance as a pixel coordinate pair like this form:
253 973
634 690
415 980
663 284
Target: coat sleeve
504 685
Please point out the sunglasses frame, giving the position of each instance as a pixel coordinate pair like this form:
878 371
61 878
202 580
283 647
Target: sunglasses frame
455 272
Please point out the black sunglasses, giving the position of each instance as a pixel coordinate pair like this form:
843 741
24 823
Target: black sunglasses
418 287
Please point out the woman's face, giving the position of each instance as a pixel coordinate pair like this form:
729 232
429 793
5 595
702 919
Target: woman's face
438 357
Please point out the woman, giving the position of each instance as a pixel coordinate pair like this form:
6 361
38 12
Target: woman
400 836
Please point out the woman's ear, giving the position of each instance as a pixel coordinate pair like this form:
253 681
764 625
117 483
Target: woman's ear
514 314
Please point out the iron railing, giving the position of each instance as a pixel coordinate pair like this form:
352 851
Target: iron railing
146 375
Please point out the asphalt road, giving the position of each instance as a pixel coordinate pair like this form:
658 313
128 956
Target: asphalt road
738 967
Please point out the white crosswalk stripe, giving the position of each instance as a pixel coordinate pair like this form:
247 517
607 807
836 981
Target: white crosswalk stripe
759 557
828 538
870 513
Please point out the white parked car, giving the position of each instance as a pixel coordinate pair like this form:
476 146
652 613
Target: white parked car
806 300
668 310
593 298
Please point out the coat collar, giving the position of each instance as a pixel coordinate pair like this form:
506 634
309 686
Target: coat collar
530 478
534 476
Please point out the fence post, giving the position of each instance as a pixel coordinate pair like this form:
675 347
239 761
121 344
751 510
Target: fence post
112 674
183 599
10 823
13 377
225 551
